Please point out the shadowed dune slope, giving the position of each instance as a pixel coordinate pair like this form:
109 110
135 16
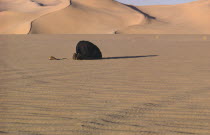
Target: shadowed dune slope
88 17
188 18
16 16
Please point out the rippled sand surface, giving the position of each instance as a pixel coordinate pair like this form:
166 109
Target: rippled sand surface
145 85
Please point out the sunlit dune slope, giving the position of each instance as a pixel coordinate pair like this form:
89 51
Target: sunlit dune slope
16 15
88 17
188 18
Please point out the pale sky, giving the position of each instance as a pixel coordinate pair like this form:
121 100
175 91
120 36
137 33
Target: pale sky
154 2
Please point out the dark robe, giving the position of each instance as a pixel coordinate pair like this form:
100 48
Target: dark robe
86 50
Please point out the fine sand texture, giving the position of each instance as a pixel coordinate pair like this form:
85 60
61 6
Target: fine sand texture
102 17
145 85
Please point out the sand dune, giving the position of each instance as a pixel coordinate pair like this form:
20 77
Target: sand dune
88 17
188 18
102 17
16 16
96 17
144 86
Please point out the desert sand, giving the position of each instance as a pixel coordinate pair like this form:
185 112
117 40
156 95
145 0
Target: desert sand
145 85
102 17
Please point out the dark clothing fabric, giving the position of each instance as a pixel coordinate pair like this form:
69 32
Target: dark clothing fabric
87 50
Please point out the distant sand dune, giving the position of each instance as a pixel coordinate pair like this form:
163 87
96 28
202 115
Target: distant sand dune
16 16
188 18
102 17
89 17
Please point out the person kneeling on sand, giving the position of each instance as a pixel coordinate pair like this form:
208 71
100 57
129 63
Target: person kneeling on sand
86 50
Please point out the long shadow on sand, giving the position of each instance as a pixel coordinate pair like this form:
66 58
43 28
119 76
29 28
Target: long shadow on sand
129 57
120 57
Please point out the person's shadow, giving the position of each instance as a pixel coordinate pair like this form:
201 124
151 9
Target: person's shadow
129 57
120 57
